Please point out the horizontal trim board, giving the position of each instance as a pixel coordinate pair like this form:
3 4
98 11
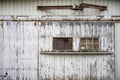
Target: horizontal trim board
59 18
77 53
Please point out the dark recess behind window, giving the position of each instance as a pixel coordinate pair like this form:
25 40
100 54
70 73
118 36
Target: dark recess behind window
62 43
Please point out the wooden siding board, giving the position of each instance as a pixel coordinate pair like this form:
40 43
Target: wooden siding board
1 43
57 66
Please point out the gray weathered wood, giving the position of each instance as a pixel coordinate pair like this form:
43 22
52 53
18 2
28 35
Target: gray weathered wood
70 67
22 41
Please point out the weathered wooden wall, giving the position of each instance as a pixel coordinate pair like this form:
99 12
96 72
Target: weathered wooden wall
18 50
76 30
21 43
23 39
76 67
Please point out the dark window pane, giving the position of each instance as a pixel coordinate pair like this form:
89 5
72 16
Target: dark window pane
62 43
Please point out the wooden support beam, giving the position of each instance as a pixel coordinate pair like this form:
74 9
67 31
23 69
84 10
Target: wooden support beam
99 7
54 7
70 7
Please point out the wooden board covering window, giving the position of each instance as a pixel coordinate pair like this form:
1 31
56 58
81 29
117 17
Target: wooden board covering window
89 43
62 43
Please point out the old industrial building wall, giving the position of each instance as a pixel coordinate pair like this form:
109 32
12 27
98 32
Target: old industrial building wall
20 41
75 67
26 45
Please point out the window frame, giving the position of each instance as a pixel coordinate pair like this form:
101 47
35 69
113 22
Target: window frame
86 44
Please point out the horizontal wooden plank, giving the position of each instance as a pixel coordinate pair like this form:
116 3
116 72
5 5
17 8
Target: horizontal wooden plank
85 5
54 7
59 18
78 53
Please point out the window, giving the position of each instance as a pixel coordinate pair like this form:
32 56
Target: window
89 43
62 43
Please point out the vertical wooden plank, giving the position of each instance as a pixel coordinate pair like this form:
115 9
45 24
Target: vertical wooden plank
41 33
40 49
47 69
76 67
1 41
10 47
6 43
68 67
20 46
57 67
1 48
76 37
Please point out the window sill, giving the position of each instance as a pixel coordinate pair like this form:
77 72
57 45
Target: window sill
77 53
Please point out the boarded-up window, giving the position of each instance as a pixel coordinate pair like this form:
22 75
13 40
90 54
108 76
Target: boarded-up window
91 43
62 43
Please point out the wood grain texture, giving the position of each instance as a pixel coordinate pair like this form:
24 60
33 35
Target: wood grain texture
75 66
22 41
18 50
